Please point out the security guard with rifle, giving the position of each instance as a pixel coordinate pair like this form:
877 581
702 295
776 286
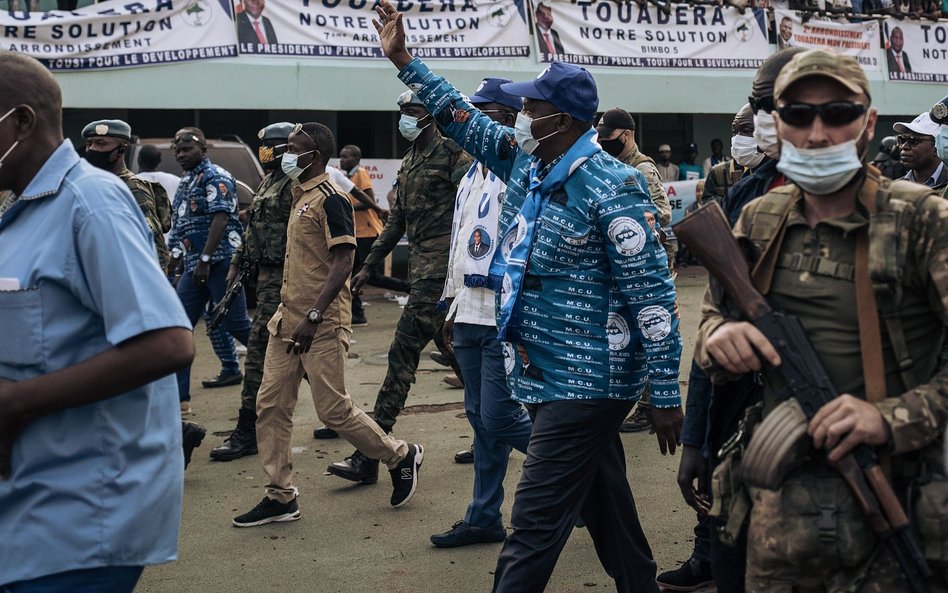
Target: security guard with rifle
843 458
262 252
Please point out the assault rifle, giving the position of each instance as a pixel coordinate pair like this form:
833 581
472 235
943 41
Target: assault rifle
219 312
707 234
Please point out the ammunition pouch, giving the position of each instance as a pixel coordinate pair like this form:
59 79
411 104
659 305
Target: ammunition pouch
731 501
779 445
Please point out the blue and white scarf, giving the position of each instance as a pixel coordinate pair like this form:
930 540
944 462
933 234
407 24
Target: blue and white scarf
506 275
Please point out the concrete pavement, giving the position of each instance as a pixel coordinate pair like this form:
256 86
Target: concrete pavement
349 539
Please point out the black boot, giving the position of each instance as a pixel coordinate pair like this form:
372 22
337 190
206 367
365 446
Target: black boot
241 442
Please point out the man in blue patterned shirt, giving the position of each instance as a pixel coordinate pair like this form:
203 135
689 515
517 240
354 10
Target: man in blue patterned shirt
206 229
586 309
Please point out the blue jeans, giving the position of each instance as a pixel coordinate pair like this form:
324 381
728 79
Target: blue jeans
195 298
499 422
107 579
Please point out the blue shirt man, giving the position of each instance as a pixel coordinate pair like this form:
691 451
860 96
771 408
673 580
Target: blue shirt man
586 301
91 488
206 229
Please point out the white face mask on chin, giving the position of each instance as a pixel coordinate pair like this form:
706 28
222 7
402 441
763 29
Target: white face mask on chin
821 171
744 150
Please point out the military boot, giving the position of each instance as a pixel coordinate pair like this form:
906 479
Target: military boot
241 442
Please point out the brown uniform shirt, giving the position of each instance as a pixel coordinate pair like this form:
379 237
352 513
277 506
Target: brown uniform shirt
320 219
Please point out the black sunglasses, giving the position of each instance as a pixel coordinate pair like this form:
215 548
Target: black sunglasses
764 103
912 141
834 113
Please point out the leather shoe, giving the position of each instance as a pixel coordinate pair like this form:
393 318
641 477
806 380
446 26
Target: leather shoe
690 576
356 468
465 456
222 380
191 436
462 534
324 432
241 442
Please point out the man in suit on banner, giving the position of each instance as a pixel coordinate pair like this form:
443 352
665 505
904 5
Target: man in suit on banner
549 39
252 26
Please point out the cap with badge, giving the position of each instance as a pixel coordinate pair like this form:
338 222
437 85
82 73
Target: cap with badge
569 88
692 148
615 119
816 62
408 98
921 125
939 112
489 91
110 128
277 131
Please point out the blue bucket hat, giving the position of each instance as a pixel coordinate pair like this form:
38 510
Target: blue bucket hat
569 88
489 91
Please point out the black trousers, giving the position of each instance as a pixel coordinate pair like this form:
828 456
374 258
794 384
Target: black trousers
575 467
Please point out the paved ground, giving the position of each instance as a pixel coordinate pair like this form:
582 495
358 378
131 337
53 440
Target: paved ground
349 539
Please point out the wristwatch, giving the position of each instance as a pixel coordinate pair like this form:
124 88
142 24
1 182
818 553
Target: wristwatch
205 258
314 316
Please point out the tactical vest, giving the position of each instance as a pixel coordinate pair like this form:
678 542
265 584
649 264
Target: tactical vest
896 203
640 158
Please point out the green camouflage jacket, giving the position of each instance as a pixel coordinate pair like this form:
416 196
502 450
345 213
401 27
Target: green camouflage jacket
813 280
423 209
145 194
265 236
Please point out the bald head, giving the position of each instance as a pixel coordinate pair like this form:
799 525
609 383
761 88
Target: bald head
24 81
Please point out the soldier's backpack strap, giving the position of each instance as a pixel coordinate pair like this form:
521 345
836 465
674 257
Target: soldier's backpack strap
777 202
896 203
867 312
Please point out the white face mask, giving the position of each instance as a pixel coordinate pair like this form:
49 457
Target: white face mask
744 150
523 132
408 127
289 166
765 133
821 171
12 146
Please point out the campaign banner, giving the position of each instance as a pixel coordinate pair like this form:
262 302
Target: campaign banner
625 34
859 40
916 51
681 196
120 34
344 29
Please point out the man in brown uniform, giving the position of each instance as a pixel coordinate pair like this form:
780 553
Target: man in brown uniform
312 336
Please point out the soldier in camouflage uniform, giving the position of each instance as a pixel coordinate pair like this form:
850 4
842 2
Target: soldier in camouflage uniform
808 535
106 143
423 210
264 250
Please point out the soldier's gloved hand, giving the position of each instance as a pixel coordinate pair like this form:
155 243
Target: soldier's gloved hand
845 422
666 424
694 468
738 346
359 280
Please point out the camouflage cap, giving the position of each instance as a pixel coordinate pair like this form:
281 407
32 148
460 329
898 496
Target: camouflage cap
816 62
939 112
277 131
408 98
112 128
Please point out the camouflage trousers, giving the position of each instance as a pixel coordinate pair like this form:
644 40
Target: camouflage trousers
420 323
810 537
269 281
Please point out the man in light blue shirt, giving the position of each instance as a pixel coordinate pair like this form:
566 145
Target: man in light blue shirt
587 311
90 437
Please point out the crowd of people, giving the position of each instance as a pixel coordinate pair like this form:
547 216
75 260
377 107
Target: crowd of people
538 267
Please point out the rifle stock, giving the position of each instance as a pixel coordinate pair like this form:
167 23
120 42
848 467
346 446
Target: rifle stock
707 234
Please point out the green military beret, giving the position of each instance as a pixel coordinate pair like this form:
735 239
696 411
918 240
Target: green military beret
113 128
408 98
277 131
